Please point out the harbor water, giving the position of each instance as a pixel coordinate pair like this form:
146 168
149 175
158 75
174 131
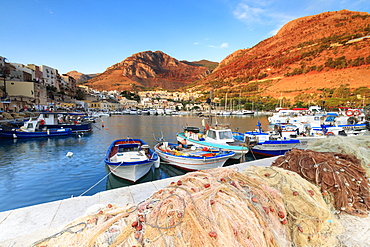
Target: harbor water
39 171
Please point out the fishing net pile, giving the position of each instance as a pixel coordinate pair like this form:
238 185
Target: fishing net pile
217 207
310 218
340 176
355 145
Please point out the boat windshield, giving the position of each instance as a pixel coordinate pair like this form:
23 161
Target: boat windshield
225 135
128 148
211 134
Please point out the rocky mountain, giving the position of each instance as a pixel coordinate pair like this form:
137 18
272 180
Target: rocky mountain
148 70
79 77
307 56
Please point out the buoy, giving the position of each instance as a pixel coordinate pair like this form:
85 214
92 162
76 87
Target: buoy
106 128
356 112
69 154
157 163
349 113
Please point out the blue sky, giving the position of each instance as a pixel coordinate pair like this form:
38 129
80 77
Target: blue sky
91 35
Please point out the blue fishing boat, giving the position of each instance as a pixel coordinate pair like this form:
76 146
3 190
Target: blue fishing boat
267 143
130 159
32 129
72 120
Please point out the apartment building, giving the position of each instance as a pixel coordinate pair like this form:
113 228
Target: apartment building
50 76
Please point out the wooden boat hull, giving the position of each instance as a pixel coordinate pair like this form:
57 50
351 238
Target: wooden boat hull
15 134
197 160
239 151
80 127
273 149
130 172
261 144
135 165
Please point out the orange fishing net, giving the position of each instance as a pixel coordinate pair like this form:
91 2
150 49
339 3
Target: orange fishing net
217 207
338 175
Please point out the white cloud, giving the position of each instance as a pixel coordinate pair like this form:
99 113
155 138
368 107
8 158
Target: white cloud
223 45
262 13
248 14
195 43
50 11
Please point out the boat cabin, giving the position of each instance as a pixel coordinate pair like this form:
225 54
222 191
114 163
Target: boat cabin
55 118
219 134
30 126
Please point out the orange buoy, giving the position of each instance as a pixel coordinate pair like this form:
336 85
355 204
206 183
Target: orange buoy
356 112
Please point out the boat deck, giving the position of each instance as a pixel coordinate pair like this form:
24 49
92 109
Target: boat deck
129 157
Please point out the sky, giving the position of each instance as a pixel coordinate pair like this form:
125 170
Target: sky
92 35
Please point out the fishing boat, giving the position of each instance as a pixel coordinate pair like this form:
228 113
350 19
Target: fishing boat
305 133
72 120
191 158
32 129
216 137
268 143
130 159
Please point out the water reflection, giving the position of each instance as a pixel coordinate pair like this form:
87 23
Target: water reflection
38 171
164 171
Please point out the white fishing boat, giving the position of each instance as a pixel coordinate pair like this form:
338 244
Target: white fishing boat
216 136
191 158
130 159
152 111
160 111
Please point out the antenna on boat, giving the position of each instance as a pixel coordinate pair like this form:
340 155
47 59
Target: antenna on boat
161 139
209 101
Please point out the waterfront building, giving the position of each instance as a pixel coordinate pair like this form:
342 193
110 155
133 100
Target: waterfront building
36 74
68 84
50 77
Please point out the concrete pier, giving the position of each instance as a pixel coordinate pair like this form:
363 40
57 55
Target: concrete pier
23 227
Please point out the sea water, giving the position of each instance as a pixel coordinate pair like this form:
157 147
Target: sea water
44 170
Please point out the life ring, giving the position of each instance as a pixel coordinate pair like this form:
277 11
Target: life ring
329 133
356 112
42 122
349 113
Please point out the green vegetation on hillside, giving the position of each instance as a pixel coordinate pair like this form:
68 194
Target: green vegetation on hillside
205 63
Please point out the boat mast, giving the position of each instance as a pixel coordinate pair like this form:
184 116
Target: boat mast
210 108
240 95
226 103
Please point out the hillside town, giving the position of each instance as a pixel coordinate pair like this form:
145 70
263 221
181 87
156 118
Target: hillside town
42 88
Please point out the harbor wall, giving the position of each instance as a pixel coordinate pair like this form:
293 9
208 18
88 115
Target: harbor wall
25 226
